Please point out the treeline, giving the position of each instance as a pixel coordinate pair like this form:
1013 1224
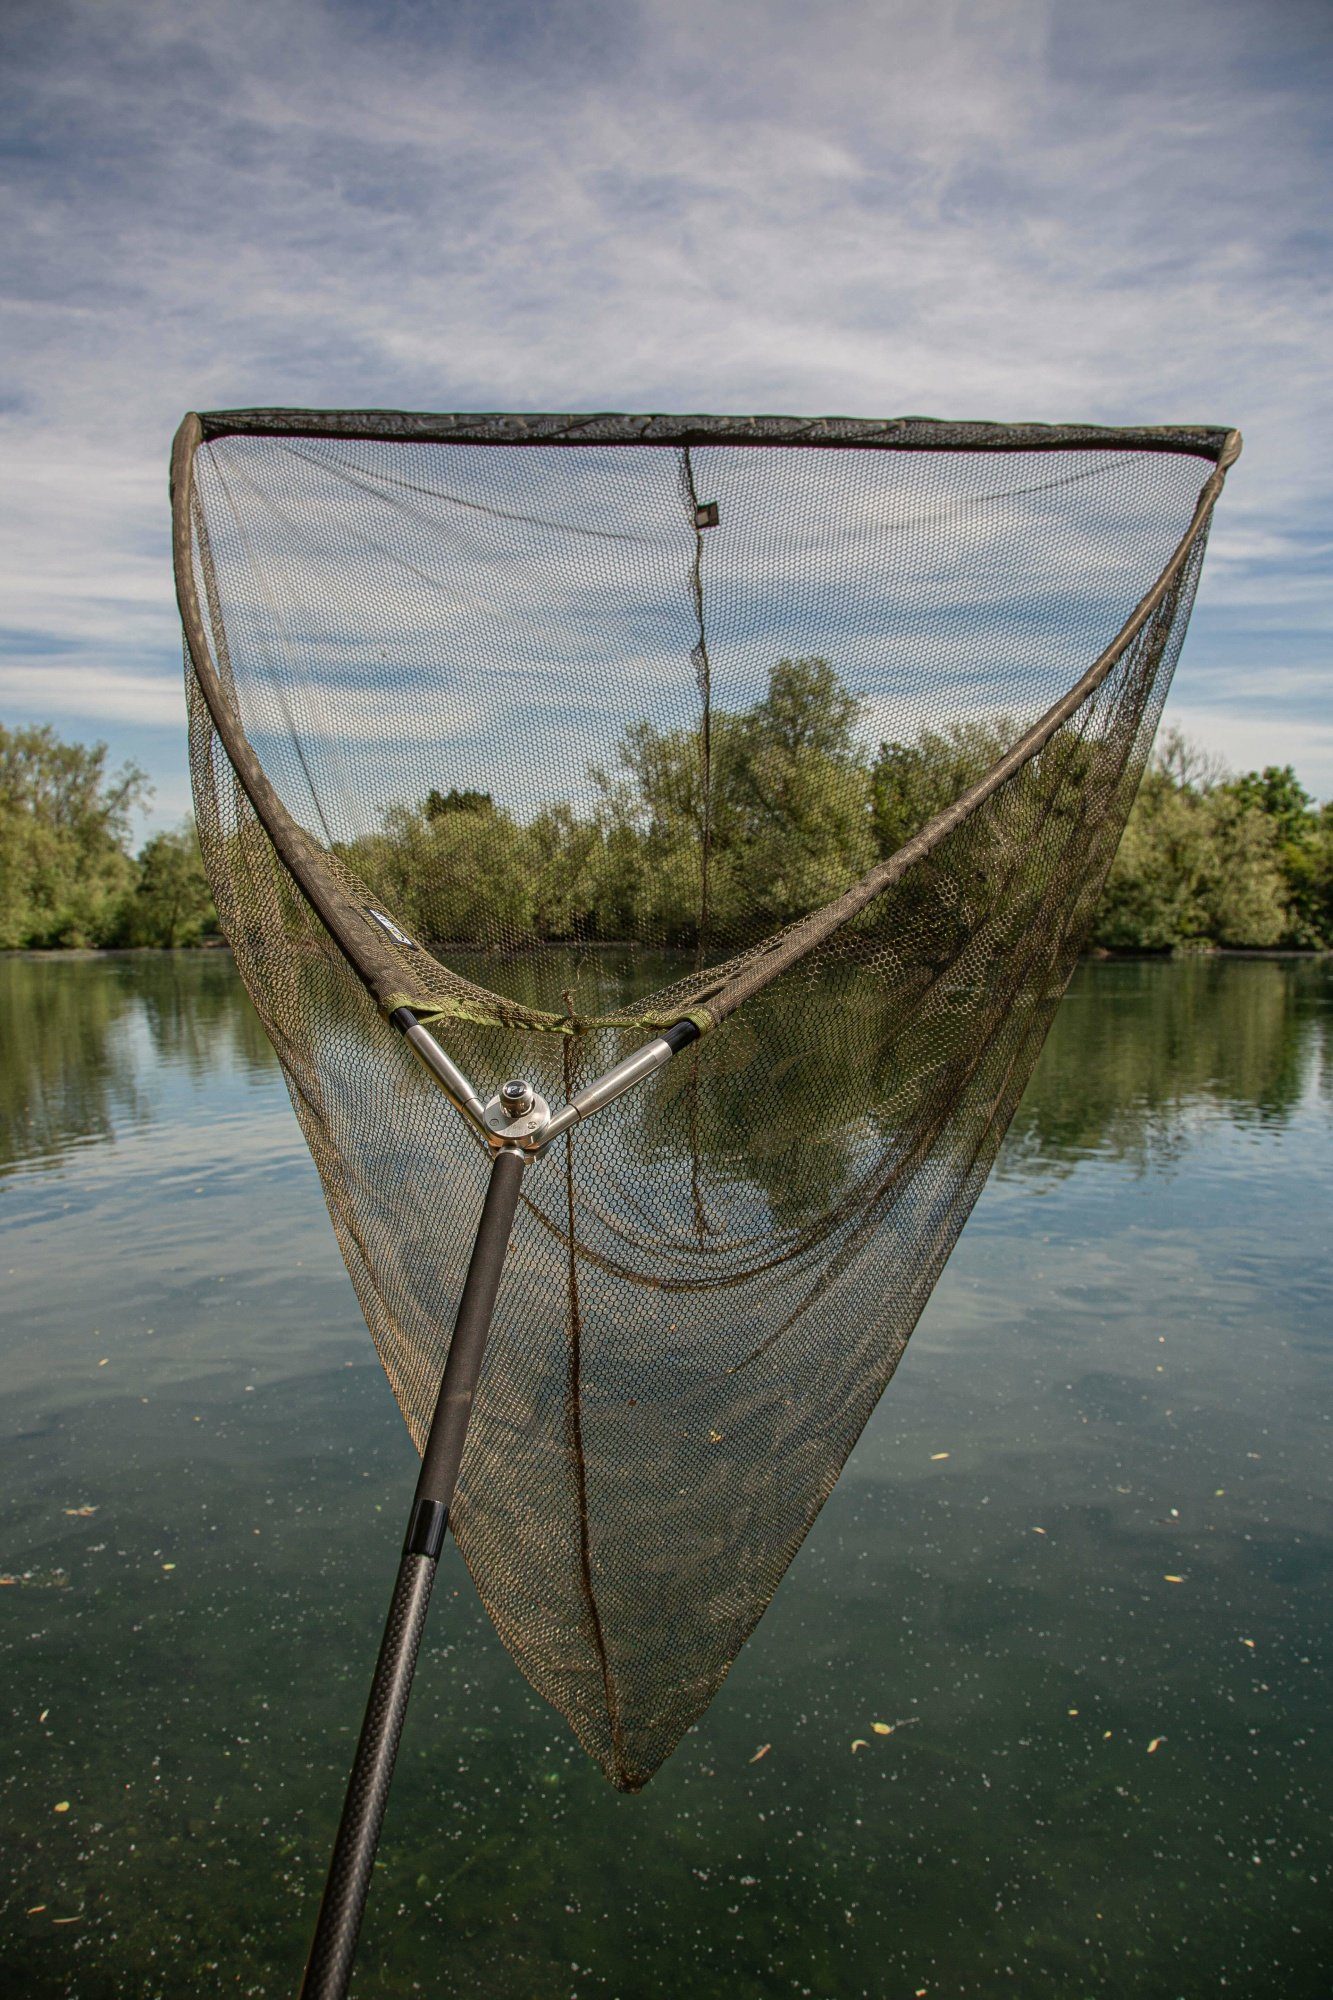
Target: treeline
67 875
1210 859
797 811
793 808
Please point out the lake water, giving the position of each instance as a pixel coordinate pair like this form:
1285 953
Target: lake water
1090 1778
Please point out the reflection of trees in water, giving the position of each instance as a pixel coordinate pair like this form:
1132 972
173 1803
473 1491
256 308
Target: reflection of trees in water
1136 1048
196 1011
69 1070
73 1061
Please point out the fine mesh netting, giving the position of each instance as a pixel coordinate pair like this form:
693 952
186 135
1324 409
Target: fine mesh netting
558 731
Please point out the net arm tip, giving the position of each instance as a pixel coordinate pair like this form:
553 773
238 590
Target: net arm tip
456 1087
622 1076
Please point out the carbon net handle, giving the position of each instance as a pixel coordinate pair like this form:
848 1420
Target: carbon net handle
329 1970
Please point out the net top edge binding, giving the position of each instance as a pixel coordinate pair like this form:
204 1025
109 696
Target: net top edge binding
1215 442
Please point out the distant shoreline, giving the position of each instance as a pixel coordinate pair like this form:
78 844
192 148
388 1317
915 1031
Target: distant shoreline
1092 953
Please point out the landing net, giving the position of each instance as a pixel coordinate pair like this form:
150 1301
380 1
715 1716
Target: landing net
560 730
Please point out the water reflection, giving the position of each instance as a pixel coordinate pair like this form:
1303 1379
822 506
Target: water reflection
1136 1050
76 1030
1119 1382
1148 1045
1140 1049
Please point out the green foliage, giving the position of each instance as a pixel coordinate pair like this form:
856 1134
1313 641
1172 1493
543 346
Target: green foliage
1308 865
170 904
911 782
455 801
795 812
788 824
64 821
1304 834
1276 792
66 876
1199 863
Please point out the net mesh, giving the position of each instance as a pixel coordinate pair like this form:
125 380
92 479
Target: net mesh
601 732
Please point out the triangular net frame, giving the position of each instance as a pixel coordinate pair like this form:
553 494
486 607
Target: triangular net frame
558 731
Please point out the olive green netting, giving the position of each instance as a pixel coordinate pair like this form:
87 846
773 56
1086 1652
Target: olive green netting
583 752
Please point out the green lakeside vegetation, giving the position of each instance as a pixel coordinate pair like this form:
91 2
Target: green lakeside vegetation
796 809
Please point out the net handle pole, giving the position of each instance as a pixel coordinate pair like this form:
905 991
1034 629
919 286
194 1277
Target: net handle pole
329 1968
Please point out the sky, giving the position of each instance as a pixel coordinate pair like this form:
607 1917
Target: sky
1000 209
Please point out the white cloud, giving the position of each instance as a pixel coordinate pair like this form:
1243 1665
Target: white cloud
56 690
1251 737
1002 210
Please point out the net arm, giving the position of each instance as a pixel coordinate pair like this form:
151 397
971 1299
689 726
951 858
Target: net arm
487 1120
357 933
335 909
461 1094
507 431
621 1077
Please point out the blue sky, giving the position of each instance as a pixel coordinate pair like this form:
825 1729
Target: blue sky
1026 209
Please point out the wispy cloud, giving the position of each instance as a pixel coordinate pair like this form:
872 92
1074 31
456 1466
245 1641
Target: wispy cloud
58 691
1000 210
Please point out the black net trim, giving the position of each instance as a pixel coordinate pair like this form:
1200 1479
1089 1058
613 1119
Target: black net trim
1210 441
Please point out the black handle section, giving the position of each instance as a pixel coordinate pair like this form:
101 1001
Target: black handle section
680 1034
448 1428
330 1966
329 1970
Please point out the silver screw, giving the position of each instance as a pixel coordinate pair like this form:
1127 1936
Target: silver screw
517 1096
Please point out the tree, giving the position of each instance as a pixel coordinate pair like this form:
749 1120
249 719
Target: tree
64 823
788 809
1305 841
911 782
803 791
455 801
171 903
461 876
1277 792
1198 864
1308 864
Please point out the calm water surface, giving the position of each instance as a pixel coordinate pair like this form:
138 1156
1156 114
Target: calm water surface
1090 1777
